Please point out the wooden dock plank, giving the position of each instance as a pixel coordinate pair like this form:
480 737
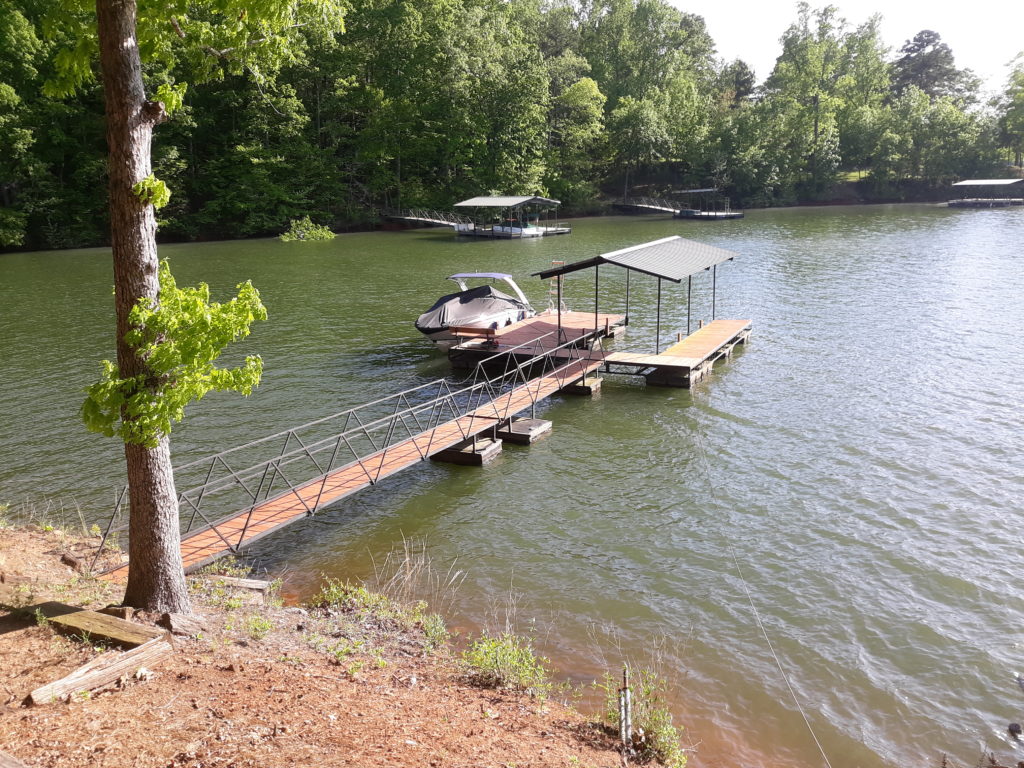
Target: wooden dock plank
96 626
104 669
703 343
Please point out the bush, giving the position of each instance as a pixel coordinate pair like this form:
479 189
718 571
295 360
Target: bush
305 229
506 661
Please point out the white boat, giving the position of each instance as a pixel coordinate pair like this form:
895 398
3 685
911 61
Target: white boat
482 306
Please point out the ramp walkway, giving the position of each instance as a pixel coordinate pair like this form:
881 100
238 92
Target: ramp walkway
647 205
307 468
427 217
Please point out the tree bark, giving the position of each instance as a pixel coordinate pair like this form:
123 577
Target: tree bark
156 578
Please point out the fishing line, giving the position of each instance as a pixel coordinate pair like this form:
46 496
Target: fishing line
753 608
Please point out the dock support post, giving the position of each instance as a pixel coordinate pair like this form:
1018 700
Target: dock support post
597 271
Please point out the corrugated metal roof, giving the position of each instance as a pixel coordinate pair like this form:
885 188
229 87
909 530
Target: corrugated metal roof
987 182
504 202
672 258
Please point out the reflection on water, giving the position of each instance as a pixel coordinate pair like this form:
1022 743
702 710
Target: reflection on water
861 460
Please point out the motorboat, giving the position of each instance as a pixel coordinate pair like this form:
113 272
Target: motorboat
481 306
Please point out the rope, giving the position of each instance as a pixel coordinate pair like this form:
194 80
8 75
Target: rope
757 616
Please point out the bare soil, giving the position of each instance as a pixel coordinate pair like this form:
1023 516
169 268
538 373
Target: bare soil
262 685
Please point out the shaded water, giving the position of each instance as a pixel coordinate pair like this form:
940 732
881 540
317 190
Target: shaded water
859 463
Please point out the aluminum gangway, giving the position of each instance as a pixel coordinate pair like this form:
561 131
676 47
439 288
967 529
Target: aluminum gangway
647 205
427 217
238 496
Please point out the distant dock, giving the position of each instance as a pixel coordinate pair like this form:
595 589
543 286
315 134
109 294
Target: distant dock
1000 193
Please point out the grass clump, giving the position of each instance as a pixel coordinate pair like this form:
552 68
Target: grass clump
506 661
655 737
305 229
257 627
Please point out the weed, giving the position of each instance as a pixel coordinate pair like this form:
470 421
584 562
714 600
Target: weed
272 596
435 632
42 620
258 627
5 520
655 736
506 661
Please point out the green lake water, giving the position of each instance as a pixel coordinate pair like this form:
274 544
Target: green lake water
857 469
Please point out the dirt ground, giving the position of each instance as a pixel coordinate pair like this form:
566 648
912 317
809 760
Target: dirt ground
262 685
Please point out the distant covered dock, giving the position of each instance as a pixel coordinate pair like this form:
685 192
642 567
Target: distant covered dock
989 193
511 217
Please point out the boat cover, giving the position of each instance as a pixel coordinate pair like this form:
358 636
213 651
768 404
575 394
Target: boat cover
467 308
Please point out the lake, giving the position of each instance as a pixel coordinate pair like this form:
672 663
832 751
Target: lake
855 474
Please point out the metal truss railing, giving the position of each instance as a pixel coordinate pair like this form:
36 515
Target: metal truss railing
652 202
291 463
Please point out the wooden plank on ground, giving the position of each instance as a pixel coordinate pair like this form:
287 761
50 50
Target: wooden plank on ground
96 626
104 669
6 761
233 581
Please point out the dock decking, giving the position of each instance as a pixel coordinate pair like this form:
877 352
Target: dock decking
687 362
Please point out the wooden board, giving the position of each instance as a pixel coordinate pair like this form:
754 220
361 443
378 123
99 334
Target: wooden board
6 761
104 669
96 626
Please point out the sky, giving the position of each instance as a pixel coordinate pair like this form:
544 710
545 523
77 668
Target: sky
984 35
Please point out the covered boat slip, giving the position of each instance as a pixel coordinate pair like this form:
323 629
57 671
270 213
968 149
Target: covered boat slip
682 364
511 217
989 193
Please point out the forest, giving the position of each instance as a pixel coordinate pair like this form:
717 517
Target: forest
425 102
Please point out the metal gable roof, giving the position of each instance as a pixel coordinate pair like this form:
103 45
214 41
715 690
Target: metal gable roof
672 258
504 202
987 182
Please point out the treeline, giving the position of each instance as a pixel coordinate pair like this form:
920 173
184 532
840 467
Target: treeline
425 102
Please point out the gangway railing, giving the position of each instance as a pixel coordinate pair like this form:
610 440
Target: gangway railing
239 479
428 216
654 203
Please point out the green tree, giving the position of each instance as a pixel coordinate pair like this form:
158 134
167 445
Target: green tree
228 37
927 63
1011 113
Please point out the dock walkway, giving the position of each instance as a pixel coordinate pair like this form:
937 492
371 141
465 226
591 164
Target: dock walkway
264 516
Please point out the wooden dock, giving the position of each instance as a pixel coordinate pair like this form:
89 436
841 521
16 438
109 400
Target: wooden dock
247 526
688 361
681 365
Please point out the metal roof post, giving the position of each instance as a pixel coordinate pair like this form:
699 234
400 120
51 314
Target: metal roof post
657 327
559 309
597 272
627 296
714 288
689 291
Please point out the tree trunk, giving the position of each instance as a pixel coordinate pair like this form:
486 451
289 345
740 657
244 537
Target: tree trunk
156 578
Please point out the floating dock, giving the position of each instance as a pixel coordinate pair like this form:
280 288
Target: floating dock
272 482
1000 193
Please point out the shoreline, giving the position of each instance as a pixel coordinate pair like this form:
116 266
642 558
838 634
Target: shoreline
247 688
